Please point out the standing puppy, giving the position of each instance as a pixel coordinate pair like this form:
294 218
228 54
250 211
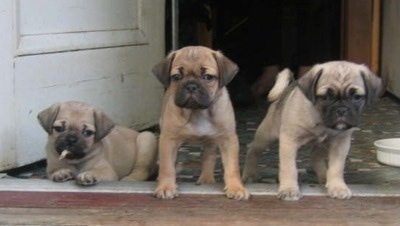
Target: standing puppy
321 109
84 144
197 109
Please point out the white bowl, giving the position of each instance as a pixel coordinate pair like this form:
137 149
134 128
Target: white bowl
388 151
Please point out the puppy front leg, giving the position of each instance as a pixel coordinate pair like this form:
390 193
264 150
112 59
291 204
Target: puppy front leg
288 185
59 170
335 184
102 171
234 188
167 188
61 175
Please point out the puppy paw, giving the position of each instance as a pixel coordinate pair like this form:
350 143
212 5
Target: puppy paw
289 194
86 178
246 178
250 175
166 191
62 175
339 192
237 192
205 180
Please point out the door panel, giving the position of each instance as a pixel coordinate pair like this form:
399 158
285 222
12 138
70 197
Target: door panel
47 26
63 16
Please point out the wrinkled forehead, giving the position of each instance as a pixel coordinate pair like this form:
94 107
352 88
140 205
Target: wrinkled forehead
75 115
342 78
194 59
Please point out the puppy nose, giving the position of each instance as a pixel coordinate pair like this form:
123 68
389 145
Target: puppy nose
191 87
342 111
71 139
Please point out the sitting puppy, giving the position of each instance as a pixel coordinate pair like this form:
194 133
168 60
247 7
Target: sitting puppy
84 144
321 109
197 109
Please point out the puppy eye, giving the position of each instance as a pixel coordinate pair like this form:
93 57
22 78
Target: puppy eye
354 96
357 97
87 133
329 96
207 77
176 77
59 129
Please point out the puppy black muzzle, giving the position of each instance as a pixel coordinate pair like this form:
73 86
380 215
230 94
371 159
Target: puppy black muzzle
73 143
192 95
341 116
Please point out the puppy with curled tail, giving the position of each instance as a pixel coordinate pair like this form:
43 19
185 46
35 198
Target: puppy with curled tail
321 110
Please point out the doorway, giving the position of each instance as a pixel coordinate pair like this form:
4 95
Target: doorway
263 37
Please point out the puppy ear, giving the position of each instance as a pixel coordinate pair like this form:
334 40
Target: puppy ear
162 69
226 68
308 83
103 125
373 86
48 116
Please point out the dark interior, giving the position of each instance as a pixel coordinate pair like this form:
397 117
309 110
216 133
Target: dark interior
259 33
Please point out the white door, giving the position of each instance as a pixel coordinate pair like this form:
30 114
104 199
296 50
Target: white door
97 51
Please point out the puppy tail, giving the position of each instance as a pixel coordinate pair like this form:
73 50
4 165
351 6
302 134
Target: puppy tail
283 79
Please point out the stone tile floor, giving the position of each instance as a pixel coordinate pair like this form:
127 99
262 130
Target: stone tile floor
381 120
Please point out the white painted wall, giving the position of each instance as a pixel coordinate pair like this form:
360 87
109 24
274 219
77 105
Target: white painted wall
7 107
